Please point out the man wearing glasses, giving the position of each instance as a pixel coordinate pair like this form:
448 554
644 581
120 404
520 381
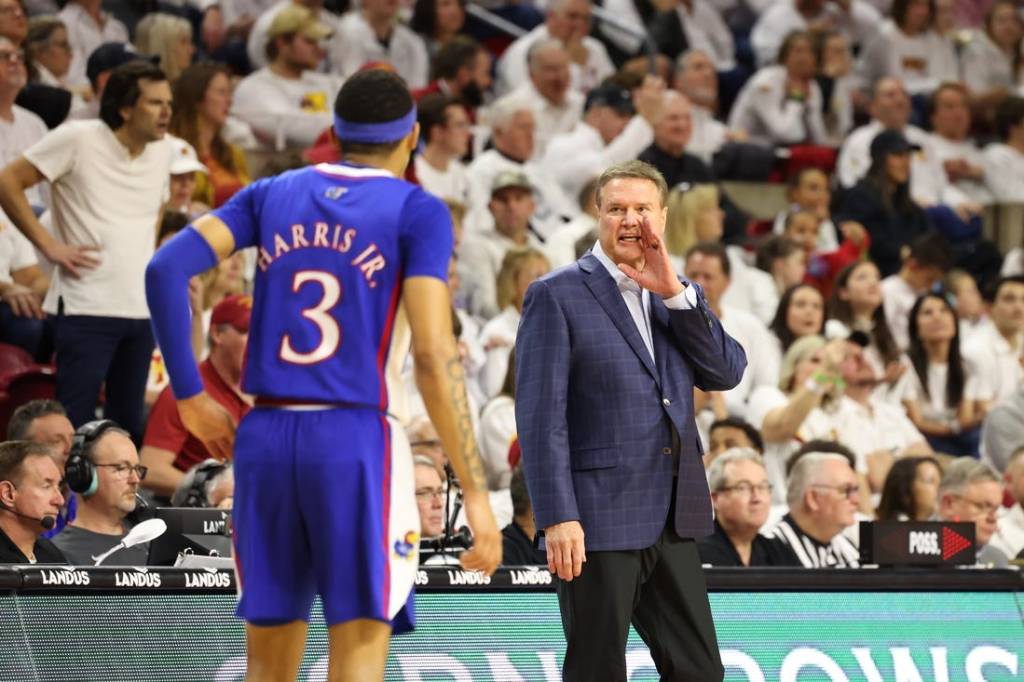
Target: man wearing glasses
101 521
823 494
973 491
742 496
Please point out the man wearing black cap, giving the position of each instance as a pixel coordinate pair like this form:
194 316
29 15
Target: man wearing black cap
616 127
103 60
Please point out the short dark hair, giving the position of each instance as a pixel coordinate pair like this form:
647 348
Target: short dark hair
457 53
826 446
172 223
950 86
13 454
712 250
1009 113
431 112
931 250
753 435
123 89
21 420
899 9
774 248
993 291
372 96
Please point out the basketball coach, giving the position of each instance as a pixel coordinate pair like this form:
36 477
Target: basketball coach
608 353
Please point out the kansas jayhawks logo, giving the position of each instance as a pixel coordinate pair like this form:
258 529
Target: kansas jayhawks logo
406 547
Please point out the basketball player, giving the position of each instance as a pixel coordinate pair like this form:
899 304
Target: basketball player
352 265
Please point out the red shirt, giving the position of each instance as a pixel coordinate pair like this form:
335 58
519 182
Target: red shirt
165 430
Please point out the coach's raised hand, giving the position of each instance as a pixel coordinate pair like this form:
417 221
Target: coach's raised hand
208 421
656 274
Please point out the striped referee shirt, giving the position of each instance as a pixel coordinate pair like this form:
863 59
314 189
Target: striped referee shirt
839 553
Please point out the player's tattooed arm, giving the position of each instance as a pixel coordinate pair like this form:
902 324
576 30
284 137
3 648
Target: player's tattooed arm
469 454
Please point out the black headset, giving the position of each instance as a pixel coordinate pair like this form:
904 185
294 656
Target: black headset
206 471
79 472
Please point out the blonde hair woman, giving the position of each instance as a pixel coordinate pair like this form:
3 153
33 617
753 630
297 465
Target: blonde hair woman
518 270
693 216
168 37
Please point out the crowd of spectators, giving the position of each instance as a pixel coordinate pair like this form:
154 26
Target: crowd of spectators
883 326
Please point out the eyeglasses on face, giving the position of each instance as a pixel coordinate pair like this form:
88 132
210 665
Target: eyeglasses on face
979 508
428 493
122 470
746 488
848 491
12 56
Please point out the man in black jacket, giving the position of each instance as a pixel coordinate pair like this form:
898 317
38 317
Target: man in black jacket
30 496
742 497
668 154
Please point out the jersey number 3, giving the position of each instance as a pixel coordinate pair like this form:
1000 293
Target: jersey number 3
330 332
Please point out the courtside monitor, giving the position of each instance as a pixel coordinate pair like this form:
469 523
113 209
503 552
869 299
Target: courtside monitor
203 531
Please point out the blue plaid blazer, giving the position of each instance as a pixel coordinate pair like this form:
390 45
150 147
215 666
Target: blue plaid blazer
596 417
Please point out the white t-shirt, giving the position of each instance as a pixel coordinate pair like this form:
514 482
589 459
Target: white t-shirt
18 135
497 431
85 35
286 112
103 197
763 400
995 362
934 404
898 298
863 430
355 44
16 251
451 184
501 328
1004 170
921 61
762 369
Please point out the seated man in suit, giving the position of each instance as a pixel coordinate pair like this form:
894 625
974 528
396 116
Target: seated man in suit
608 353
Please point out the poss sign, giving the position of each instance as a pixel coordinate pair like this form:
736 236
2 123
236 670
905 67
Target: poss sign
916 543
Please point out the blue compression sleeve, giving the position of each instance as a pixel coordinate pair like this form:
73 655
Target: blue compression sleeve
167 275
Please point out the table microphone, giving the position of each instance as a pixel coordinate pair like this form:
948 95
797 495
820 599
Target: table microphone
47 522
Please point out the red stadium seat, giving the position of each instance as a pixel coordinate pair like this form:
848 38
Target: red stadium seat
13 360
20 387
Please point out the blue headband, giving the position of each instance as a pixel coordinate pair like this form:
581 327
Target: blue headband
375 133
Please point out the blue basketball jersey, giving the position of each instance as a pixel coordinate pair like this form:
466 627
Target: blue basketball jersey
334 245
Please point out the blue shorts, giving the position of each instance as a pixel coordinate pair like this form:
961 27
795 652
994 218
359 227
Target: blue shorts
324 504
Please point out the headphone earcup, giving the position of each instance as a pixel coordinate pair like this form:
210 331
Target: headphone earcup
80 475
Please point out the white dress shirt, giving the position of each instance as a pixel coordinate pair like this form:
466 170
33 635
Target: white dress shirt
995 361
1009 535
708 134
550 119
513 70
764 110
706 31
638 301
576 157
1004 172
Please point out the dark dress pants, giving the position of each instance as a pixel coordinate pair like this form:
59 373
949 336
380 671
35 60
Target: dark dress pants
95 350
661 590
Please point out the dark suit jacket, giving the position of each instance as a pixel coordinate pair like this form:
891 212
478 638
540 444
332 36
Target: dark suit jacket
596 417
